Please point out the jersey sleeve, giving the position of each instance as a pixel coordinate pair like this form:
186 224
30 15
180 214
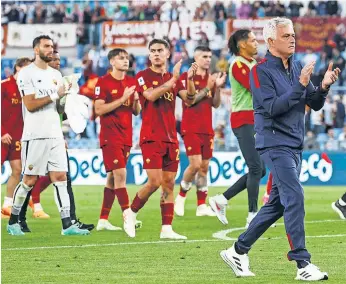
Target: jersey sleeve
179 86
142 83
183 79
100 90
24 82
4 113
241 73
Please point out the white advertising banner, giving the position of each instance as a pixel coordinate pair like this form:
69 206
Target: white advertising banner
22 35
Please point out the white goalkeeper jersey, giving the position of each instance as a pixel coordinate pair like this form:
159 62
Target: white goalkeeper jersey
43 123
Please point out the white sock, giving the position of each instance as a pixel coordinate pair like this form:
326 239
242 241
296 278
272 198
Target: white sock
186 185
38 207
62 198
341 202
167 228
8 202
19 196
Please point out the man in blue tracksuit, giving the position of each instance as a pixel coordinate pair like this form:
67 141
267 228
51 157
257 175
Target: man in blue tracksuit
281 88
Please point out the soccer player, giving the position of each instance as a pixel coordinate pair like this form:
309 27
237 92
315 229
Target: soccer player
157 90
116 100
198 134
243 45
281 88
339 206
43 146
11 131
44 181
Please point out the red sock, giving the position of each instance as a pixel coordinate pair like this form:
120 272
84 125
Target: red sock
167 212
108 200
137 203
201 197
41 184
182 192
123 198
269 183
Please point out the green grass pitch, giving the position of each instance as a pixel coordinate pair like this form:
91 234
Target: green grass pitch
44 256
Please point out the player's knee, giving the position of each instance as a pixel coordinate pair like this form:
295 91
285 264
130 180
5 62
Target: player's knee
195 167
255 170
154 183
59 177
29 180
16 172
168 184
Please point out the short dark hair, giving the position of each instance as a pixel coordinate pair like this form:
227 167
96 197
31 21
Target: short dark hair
37 40
159 41
115 52
20 62
203 48
234 39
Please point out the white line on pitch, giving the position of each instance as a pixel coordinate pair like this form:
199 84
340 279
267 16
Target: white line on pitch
217 239
222 235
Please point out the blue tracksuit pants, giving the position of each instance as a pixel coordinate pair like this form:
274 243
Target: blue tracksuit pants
286 199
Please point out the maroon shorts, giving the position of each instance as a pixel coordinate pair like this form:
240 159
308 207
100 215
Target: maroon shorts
115 156
160 155
199 144
11 152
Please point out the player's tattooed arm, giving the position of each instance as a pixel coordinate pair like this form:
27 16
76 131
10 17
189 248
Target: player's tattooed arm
136 107
101 107
219 82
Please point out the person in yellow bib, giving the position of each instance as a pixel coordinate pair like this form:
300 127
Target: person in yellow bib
243 45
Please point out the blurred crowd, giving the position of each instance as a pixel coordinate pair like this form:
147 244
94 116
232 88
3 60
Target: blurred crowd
325 130
93 12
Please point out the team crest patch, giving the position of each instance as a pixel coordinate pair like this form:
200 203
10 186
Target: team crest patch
145 87
114 91
196 82
115 161
189 148
30 167
141 81
14 94
155 83
147 161
243 71
55 82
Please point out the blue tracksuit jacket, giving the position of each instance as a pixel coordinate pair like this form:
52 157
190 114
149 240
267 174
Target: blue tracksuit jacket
279 102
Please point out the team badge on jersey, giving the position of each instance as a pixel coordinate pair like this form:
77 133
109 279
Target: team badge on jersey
97 91
114 91
55 82
141 81
155 83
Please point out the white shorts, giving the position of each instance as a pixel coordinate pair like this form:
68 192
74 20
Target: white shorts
41 156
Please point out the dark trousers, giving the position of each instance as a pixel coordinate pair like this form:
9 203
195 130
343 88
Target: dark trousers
246 139
286 199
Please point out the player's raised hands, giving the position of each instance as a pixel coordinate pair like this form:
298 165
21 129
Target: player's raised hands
128 92
306 72
6 139
62 90
192 70
221 79
176 69
330 76
211 81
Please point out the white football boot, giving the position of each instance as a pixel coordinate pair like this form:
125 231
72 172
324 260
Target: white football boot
179 205
168 233
129 222
238 262
104 224
219 205
204 210
311 273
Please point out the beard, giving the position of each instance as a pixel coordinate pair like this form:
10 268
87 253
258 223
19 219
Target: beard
45 58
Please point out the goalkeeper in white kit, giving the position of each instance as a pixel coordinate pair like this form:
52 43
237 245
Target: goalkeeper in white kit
43 146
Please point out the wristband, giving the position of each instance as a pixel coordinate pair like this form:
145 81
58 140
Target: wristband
54 97
190 97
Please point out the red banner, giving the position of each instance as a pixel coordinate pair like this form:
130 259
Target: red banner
310 32
3 39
